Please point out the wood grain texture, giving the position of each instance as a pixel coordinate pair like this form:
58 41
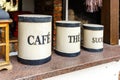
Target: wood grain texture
4 25
110 20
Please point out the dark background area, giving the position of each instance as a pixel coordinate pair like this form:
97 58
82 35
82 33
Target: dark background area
79 8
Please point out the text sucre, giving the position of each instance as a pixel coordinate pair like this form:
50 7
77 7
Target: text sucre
97 39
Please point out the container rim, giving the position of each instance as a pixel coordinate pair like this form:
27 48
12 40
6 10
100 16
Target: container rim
34 15
71 22
93 25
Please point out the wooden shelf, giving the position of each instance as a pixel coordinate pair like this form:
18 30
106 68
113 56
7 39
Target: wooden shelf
13 40
13 44
60 65
4 41
2 44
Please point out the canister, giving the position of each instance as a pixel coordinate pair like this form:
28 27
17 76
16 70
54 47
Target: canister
34 39
68 38
92 37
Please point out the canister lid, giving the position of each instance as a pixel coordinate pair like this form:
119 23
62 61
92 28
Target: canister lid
4 15
68 23
93 26
34 18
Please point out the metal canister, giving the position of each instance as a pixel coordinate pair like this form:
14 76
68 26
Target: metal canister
34 35
68 38
92 37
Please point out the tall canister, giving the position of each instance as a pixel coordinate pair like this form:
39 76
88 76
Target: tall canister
34 35
92 37
68 37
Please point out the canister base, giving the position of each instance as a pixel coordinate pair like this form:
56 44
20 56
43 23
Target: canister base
34 62
67 54
92 50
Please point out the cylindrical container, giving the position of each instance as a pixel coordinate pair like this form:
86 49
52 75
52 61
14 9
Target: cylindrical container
68 38
92 37
34 35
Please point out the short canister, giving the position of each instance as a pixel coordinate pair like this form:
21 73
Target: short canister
68 38
34 35
92 37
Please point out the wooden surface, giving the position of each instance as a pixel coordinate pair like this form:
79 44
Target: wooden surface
7 66
60 65
14 40
110 20
119 76
6 21
4 25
